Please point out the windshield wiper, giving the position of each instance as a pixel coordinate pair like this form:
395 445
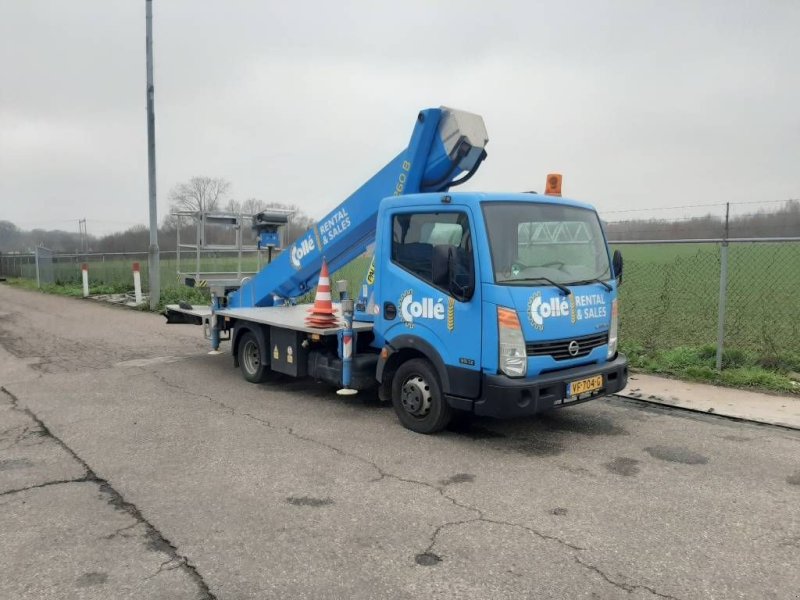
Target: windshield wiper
593 280
564 289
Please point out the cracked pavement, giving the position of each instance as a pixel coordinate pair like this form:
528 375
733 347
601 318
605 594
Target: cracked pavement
133 464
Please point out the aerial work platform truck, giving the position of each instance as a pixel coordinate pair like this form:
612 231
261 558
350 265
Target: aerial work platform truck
499 304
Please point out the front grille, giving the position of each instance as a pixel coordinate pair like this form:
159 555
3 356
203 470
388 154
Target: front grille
559 349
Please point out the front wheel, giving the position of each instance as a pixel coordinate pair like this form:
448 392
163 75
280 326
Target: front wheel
250 352
417 397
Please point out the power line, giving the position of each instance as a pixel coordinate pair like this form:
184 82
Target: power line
665 220
765 201
720 204
117 222
48 221
629 210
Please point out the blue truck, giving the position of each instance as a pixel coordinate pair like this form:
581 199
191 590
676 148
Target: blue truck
499 304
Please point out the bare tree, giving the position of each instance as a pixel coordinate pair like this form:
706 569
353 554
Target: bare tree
200 194
9 236
250 206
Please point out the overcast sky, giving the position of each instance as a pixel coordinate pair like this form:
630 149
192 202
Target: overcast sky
639 104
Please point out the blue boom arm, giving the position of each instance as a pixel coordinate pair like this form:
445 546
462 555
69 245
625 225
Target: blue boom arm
444 144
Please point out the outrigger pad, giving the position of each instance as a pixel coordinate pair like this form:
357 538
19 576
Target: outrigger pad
175 317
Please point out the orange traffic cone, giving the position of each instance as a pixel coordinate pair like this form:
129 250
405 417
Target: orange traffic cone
322 313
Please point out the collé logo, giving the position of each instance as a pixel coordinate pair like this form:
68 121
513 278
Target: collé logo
539 310
426 308
301 249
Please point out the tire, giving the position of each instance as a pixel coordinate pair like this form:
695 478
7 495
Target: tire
250 352
417 397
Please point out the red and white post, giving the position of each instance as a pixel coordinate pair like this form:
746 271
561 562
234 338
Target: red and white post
85 276
137 283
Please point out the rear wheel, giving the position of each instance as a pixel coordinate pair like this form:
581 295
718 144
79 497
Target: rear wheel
417 397
250 352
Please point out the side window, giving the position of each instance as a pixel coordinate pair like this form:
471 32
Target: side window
436 247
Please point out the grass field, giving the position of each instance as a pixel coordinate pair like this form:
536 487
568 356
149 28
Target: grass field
668 306
669 312
670 295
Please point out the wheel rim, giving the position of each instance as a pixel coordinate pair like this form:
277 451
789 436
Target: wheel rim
415 395
250 357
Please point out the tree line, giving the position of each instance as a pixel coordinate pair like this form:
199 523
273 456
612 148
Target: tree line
213 194
198 194
783 221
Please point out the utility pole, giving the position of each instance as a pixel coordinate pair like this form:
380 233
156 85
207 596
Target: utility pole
154 272
83 233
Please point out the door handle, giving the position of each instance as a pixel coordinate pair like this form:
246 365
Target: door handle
389 311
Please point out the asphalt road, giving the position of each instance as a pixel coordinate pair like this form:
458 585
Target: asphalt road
134 465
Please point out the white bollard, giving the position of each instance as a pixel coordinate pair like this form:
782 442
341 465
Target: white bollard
137 283
85 273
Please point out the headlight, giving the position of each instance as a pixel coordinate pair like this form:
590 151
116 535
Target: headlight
513 358
612 330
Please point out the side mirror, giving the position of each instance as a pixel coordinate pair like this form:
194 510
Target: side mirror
461 277
616 264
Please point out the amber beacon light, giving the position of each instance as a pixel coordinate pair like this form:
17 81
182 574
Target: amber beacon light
553 185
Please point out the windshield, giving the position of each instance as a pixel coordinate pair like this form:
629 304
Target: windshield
532 241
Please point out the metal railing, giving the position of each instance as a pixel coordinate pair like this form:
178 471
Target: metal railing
202 221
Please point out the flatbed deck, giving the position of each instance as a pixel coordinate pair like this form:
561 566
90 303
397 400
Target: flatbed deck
287 317
215 280
197 310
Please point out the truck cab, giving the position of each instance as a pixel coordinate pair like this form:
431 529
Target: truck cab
496 304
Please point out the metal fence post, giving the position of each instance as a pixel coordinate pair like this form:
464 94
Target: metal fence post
723 293
36 258
723 288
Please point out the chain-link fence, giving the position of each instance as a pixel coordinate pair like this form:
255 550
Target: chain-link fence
763 297
672 292
115 269
45 274
670 296
18 265
65 269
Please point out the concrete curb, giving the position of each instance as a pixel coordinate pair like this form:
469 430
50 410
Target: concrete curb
710 412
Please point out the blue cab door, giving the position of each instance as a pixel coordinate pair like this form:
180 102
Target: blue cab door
429 288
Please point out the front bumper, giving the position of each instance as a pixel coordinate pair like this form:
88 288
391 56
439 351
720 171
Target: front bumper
505 397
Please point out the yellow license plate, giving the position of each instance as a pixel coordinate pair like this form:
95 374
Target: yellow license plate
582 386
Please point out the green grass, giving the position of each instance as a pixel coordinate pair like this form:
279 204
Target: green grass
670 293
740 369
170 295
669 310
